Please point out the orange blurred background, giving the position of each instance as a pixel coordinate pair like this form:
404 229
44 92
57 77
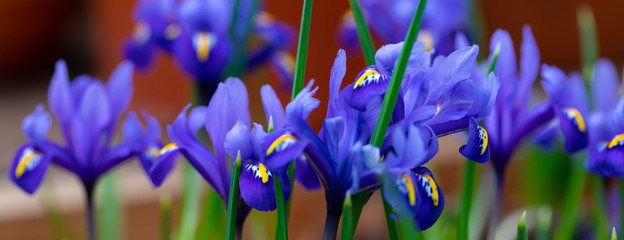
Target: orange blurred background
88 34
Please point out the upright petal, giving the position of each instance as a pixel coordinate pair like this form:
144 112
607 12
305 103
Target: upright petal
335 80
59 96
29 167
604 86
94 110
36 125
506 66
119 88
450 71
273 108
529 65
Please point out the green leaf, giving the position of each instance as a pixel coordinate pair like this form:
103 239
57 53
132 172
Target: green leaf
613 234
233 199
282 227
522 229
363 33
165 218
190 202
302 48
347 218
109 209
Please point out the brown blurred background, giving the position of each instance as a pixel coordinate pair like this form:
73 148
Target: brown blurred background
88 34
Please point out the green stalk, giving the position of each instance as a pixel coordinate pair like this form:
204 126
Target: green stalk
347 218
393 232
589 40
363 33
601 212
613 234
190 201
233 200
572 199
391 97
282 227
109 217
165 219
302 47
469 172
522 230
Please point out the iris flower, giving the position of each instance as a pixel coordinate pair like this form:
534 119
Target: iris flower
437 99
512 120
604 123
87 112
389 20
226 120
200 37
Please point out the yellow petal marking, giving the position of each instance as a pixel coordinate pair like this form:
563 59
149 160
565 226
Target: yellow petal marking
263 173
434 189
278 141
579 118
411 193
360 81
167 148
484 139
616 140
203 46
21 167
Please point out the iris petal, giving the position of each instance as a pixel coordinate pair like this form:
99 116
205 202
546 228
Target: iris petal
257 187
29 167
573 128
477 148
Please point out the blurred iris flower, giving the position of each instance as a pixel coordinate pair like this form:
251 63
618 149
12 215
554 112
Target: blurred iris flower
605 122
226 120
87 112
390 19
512 120
200 36
435 99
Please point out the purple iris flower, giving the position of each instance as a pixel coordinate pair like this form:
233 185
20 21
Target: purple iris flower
436 98
197 33
226 120
87 112
390 19
605 124
156 28
512 120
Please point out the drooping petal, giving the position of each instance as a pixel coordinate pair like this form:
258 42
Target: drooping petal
29 167
163 164
367 85
477 148
119 88
604 85
430 199
36 125
239 140
257 187
59 96
273 108
305 174
281 148
573 127
450 71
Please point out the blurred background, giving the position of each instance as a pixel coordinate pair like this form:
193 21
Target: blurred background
89 34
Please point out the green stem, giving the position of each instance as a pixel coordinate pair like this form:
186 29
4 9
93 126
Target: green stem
572 199
522 230
589 40
602 226
390 224
302 47
347 218
282 227
190 201
466 198
363 33
391 98
165 219
233 200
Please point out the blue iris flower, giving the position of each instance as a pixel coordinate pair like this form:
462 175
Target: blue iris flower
437 98
87 112
604 125
390 19
226 120
512 120
197 34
